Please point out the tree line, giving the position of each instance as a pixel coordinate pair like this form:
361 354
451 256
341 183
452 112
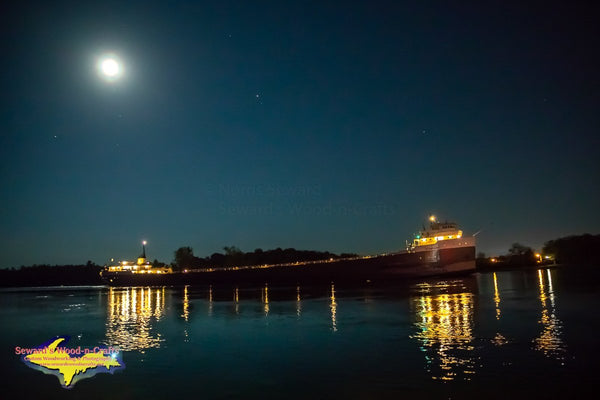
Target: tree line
52 275
184 257
572 250
582 249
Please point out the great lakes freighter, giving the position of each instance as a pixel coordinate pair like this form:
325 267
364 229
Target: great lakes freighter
440 249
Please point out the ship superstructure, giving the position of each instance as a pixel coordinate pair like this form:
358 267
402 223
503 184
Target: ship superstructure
140 266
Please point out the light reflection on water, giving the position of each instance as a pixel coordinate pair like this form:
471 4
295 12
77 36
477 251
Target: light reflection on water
236 299
131 315
496 297
186 304
442 318
333 307
550 340
444 325
298 302
500 331
210 301
499 339
265 299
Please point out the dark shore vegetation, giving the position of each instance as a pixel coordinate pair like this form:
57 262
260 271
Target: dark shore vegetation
579 250
582 249
232 256
51 275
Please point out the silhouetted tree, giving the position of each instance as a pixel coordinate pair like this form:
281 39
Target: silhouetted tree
235 257
184 257
232 250
581 249
217 260
518 249
520 255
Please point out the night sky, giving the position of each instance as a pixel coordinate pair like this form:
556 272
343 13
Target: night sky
327 126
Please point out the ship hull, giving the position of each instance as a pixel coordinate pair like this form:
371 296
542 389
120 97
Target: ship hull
432 261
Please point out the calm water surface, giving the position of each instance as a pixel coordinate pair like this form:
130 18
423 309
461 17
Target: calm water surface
514 333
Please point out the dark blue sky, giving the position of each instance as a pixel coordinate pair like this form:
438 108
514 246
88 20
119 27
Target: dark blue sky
317 125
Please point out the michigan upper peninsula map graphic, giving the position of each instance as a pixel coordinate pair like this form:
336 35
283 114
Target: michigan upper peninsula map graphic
71 365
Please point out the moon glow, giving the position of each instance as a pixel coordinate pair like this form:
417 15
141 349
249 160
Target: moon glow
110 68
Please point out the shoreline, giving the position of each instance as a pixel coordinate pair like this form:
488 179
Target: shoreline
347 282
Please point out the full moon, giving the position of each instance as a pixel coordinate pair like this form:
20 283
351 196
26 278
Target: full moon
110 68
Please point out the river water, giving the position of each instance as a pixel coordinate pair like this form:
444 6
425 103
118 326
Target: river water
520 334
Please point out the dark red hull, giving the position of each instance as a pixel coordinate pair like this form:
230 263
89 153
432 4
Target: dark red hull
458 260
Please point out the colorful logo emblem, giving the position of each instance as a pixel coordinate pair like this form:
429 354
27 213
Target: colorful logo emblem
70 365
